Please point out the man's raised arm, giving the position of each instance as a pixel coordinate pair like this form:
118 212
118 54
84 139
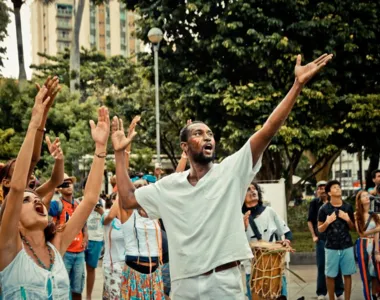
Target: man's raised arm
261 139
124 184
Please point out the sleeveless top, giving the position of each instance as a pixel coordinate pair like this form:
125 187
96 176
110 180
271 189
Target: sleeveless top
113 242
142 236
23 279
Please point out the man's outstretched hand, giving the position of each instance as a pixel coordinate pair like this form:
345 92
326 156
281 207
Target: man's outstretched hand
305 73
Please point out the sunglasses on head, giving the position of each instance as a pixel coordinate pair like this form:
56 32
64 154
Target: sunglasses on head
65 184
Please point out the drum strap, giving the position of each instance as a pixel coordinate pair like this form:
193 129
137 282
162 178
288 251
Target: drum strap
256 231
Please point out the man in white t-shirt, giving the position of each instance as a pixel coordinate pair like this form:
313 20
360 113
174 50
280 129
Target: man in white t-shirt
201 207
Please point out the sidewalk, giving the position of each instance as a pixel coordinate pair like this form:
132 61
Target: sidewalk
296 288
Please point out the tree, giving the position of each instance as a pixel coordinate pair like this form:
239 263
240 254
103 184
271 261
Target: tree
4 20
230 62
75 49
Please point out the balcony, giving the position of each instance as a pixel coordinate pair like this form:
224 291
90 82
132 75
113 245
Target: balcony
64 38
62 25
64 13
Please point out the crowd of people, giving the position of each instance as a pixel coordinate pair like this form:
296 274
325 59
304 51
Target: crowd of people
181 236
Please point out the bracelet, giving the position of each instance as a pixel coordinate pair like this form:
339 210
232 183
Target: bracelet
101 155
41 130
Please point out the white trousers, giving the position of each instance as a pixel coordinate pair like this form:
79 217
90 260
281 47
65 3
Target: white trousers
226 285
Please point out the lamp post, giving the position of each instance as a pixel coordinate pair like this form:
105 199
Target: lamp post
155 37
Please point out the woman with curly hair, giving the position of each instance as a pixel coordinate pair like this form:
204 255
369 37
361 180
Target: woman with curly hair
367 245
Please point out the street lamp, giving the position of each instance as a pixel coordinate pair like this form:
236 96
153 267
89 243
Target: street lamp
155 37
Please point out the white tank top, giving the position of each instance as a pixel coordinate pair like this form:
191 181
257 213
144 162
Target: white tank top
113 242
141 236
23 279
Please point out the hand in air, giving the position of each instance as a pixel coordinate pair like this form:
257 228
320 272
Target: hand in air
101 131
39 107
54 148
52 84
132 126
119 140
305 73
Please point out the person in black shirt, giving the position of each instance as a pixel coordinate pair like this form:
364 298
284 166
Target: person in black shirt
320 240
336 218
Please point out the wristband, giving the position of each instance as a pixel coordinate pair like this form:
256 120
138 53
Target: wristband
101 155
41 130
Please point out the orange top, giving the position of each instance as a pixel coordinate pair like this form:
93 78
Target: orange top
67 212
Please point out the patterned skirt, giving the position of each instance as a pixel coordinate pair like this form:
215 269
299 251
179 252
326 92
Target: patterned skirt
140 286
112 281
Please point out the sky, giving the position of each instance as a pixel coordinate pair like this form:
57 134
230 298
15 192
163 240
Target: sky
10 61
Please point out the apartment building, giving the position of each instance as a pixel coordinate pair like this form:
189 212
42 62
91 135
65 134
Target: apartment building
109 28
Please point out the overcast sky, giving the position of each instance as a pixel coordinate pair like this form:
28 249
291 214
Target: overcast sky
10 68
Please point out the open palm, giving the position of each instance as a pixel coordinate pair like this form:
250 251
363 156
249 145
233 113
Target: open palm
119 140
101 131
305 73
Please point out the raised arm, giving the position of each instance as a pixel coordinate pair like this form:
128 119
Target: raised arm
131 130
125 187
10 242
53 87
261 139
58 170
100 134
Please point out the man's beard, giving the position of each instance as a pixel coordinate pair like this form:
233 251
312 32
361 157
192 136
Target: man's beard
201 159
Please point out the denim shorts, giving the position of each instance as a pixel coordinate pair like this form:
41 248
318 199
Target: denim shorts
339 259
74 262
92 253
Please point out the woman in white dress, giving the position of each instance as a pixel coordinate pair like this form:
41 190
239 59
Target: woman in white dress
31 265
113 260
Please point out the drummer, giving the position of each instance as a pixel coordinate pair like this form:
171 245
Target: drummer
263 223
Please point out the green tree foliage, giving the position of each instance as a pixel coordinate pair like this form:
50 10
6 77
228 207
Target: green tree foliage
230 62
4 20
125 87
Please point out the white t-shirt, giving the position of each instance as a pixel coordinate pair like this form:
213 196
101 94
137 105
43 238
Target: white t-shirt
203 223
114 243
94 226
268 223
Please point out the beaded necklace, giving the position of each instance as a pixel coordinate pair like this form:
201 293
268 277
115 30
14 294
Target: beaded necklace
35 255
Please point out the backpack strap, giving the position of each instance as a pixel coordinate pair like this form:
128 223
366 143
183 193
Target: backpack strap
253 225
368 221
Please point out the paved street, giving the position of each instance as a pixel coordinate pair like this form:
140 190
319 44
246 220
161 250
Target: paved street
296 288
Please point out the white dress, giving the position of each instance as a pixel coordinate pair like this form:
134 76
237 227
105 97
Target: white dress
23 279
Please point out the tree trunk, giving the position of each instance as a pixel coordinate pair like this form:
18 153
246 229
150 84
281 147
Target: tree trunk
373 165
324 172
20 48
272 166
75 47
289 187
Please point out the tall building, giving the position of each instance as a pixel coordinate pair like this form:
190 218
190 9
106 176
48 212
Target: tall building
109 28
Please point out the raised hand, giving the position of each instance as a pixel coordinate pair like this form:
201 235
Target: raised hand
305 73
52 84
101 131
54 148
119 140
132 126
39 107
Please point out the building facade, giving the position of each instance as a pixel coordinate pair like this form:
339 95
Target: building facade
109 28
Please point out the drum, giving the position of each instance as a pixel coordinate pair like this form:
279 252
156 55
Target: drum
267 269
